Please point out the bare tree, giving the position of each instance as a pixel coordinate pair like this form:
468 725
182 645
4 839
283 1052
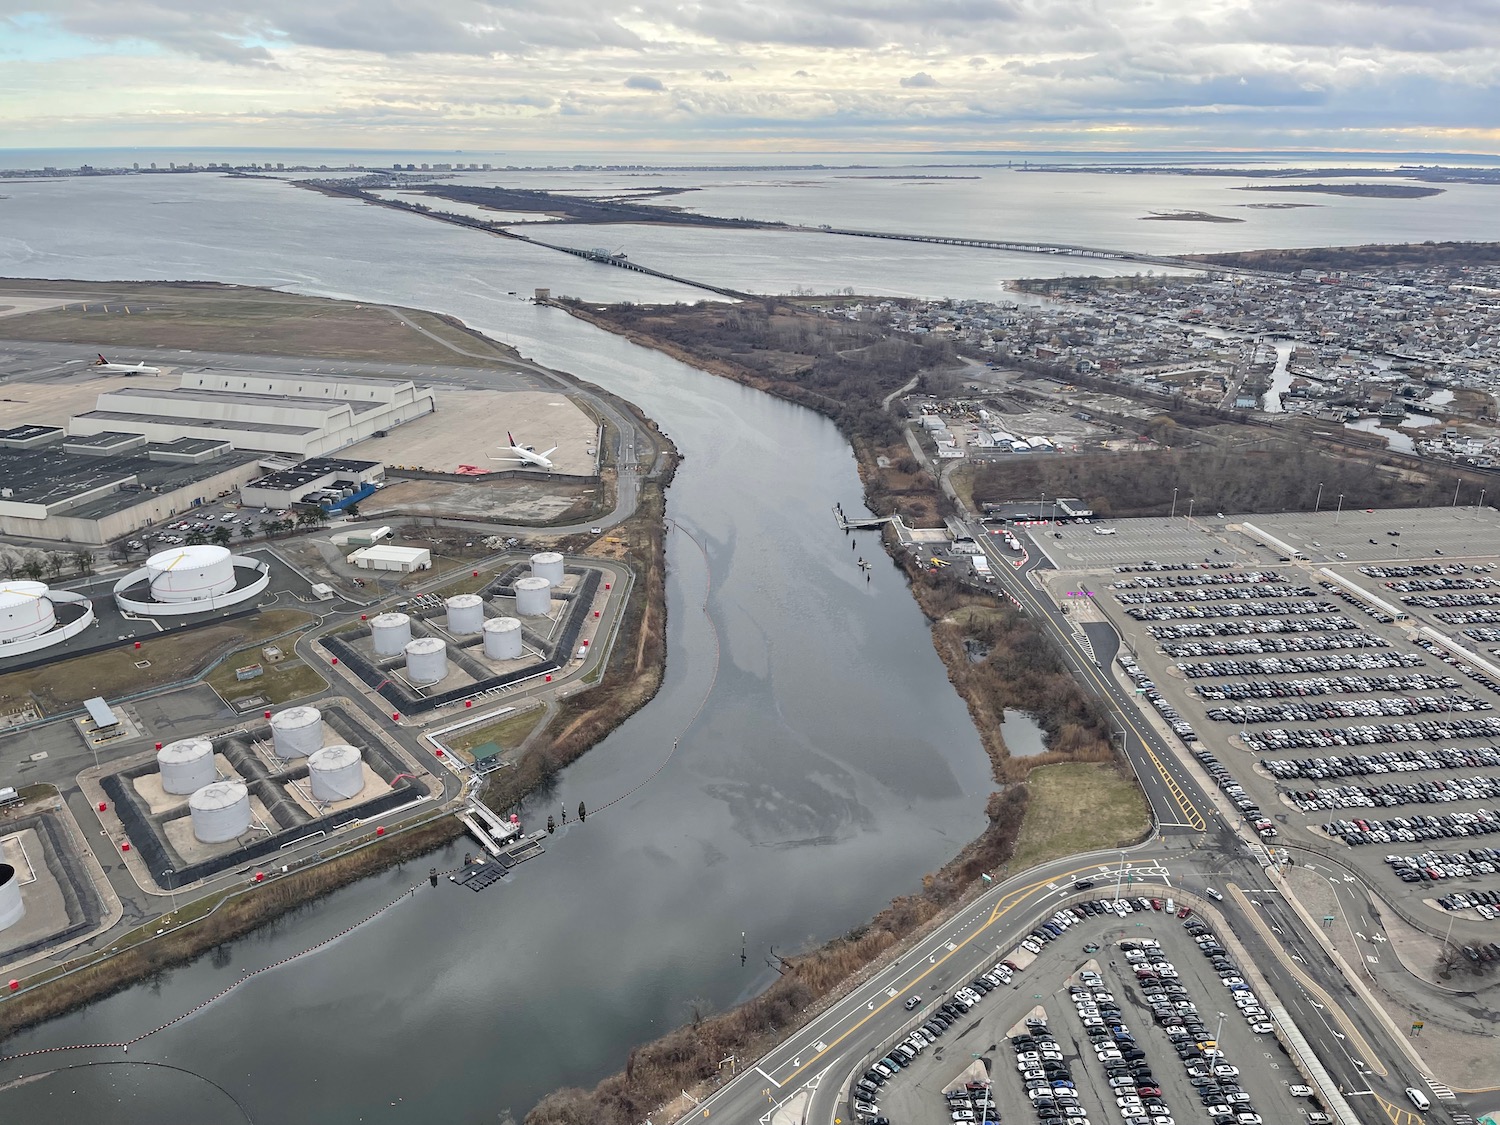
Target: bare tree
83 562
34 566
54 563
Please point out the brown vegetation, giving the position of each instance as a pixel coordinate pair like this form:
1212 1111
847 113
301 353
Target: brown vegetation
1282 478
1372 256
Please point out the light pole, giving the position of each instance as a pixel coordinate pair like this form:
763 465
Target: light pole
1318 503
1456 487
1119 876
172 887
1219 1034
1174 503
1481 499
1191 500
1340 513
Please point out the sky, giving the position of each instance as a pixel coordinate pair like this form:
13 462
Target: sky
754 75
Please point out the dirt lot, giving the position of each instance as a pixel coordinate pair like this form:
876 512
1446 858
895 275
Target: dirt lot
498 501
230 318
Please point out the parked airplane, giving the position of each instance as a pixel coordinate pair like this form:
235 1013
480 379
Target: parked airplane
124 368
526 454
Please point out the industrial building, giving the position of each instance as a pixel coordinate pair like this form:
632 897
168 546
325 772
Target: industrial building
275 413
92 490
384 557
329 482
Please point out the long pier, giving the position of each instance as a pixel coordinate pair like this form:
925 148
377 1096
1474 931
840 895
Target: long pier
619 261
1028 248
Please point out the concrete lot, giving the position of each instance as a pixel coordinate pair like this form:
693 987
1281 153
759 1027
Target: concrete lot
916 1093
1459 533
469 428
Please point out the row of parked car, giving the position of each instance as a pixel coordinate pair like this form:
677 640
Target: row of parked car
1452 601
1412 829
1292 665
1208 1069
1138 1096
1218 578
1323 685
1427 585
1249 646
1324 709
1180 726
1236 794
1244 628
1046 1077
1237 609
1396 793
1382 762
1428 730
1425 866
1162 596
867 1087
1480 678
1484 903
1470 617
1151 566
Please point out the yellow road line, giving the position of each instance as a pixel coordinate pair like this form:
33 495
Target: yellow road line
1002 908
1192 817
1398 1114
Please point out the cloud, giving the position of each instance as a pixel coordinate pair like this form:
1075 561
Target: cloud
1331 73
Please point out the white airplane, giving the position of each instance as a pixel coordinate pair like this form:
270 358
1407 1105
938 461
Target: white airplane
526 455
103 364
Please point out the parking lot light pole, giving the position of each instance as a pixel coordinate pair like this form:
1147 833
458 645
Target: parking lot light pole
1174 504
1339 514
1218 1034
1318 503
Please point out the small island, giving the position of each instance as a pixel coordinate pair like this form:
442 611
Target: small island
1190 217
1379 191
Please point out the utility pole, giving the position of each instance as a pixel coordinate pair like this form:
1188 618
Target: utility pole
1174 504
1319 502
1340 513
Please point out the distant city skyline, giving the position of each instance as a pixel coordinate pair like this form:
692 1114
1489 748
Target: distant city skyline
780 75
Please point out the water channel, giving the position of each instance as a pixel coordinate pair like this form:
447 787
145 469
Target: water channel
832 766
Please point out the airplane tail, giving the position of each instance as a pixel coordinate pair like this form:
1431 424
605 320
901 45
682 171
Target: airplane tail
102 361
510 439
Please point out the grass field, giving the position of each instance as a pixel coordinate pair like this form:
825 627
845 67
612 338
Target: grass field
1078 807
233 319
507 733
113 672
280 682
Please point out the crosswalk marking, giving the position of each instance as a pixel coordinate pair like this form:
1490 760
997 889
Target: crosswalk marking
1439 1090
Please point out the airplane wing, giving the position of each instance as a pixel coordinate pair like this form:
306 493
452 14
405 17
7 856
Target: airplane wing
549 452
517 460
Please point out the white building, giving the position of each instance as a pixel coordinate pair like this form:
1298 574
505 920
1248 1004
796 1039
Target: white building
296 414
385 557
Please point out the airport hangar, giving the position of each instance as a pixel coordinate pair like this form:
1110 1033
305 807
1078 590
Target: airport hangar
148 452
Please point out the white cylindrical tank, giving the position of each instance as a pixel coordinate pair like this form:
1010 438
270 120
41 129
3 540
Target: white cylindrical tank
533 596
465 614
548 565
220 811
25 610
12 909
297 731
336 773
426 660
190 574
390 632
502 638
186 765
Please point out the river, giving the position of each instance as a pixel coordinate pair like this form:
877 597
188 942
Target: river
832 766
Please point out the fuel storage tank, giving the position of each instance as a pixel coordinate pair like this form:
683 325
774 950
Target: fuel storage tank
533 596
548 565
12 909
25 610
502 638
297 731
390 632
336 773
197 572
465 614
186 765
220 811
426 660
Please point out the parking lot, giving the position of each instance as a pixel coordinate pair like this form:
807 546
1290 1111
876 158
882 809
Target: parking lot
1130 1013
1300 690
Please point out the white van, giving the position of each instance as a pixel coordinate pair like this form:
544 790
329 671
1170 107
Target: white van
1105 530
1213 894
1418 1098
